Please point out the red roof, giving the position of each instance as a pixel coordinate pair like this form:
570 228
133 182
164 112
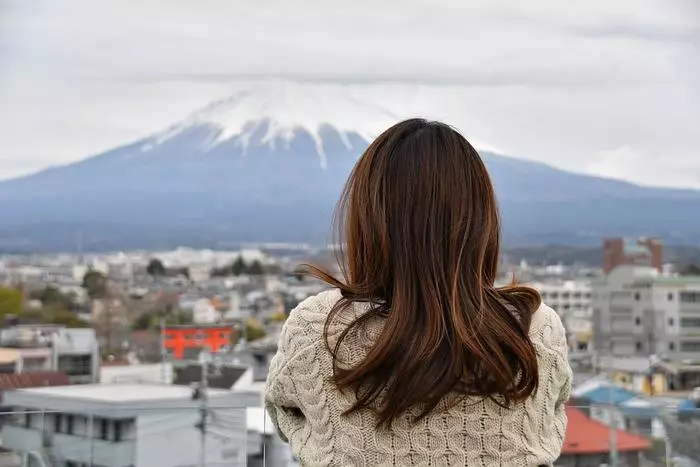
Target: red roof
587 436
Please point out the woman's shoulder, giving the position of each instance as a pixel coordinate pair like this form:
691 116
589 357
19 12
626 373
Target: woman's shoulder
547 330
312 312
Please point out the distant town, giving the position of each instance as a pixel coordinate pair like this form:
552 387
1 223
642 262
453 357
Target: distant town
158 359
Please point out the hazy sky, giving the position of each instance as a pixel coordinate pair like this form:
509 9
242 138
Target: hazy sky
606 87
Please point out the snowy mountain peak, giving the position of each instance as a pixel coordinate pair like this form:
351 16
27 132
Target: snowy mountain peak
286 108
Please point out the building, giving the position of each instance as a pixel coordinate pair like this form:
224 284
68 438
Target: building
587 443
118 425
623 252
188 341
25 359
74 351
572 300
204 312
638 312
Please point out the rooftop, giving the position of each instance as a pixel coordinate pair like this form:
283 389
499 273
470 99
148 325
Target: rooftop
587 436
115 393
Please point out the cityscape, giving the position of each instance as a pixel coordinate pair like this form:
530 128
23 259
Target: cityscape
168 170
95 347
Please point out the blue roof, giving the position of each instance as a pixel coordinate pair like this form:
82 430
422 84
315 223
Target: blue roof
608 394
688 405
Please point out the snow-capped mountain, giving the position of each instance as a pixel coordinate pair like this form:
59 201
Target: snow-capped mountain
268 163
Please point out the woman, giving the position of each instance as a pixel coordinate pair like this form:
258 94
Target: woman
415 357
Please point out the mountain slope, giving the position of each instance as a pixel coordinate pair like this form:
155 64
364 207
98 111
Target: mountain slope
268 166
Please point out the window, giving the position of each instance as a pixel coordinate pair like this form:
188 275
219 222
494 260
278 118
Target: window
104 429
587 295
70 424
637 321
57 419
577 295
637 297
670 321
75 365
670 297
690 297
639 345
672 346
690 322
690 346
118 431
28 420
554 295
565 295
543 295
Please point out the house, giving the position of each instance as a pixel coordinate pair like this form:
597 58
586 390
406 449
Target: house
48 347
629 410
587 443
117 425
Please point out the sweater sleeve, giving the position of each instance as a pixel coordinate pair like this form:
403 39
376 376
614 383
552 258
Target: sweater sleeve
282 399
564 379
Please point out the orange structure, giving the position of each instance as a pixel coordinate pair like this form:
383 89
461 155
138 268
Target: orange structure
187 341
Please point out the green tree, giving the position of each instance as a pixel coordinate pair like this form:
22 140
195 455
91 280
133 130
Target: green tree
239 267
256 269
155 268
10 301
52 297
95 283
66 318
143 322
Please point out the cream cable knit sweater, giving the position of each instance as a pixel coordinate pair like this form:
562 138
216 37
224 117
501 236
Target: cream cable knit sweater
307 409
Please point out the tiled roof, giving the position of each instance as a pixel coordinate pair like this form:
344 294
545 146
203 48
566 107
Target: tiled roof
11 381
587 436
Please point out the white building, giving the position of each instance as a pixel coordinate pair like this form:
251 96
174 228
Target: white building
639 312
572 300
140 425
204 312
74 351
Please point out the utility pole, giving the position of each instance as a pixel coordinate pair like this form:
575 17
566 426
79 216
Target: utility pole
613 428
203 408
162 350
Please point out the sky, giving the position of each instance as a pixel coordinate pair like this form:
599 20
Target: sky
601 87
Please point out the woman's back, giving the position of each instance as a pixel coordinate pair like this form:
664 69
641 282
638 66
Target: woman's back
418 357
308 408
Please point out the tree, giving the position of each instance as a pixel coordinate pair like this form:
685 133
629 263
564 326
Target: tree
155 268
239 267
254 330
95 283
52 297
10 301
279 317
143 322
256 269
691 270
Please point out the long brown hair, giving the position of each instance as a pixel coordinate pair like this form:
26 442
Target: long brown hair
420 234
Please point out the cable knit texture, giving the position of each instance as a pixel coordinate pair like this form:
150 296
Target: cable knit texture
307 408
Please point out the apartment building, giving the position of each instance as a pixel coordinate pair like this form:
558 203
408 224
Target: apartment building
119 425
639 312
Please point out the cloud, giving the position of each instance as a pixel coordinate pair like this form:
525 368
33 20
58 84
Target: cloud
647 168
553 81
